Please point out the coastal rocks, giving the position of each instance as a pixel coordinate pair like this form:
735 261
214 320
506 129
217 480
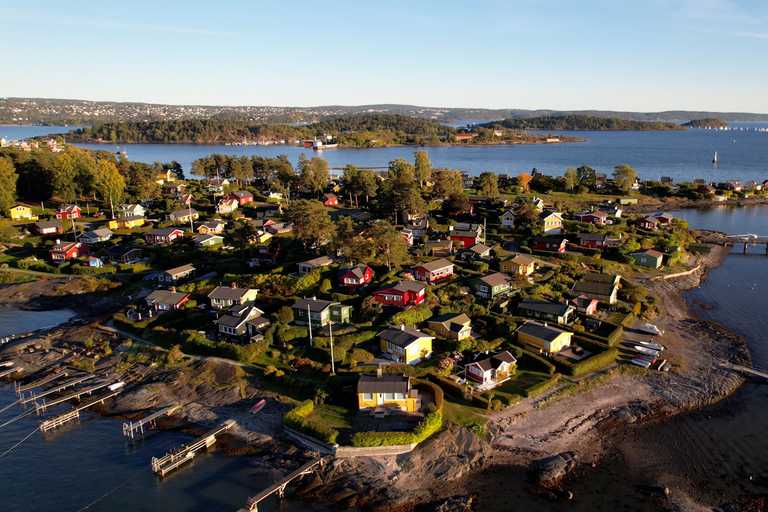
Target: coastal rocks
550 471
633 411
455 504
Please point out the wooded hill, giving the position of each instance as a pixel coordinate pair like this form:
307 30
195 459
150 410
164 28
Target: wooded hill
706 123
579 122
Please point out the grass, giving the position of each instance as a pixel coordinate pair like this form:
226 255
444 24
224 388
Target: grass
463 412
331 420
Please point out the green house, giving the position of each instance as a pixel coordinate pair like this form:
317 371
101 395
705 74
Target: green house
320 312
648 258
491 285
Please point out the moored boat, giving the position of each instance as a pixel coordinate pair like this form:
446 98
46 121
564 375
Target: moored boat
258 406
641 362
652 346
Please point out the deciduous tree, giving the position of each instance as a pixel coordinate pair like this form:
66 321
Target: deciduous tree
523 181
313 173
571 178
108 183
8 178
422 166
446 182
487 184
624 176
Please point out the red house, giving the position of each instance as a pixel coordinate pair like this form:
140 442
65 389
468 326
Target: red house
584 304
242 197
330 199
649 223
402 294
162 236
68 211
591 240
465 238
549 243
591 217
64 251
355 277
490 369
433 271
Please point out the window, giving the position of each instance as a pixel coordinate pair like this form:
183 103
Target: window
400 396
390 347
368 397
389 396
483 288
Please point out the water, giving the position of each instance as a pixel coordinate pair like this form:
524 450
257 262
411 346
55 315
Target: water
22 132
17 321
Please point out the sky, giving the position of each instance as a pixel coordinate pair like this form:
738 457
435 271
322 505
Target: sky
623 55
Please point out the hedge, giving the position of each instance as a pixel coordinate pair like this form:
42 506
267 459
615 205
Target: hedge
542 386
428 426
590 364
539 361
296 419
412 316
436 391
449 386
81 270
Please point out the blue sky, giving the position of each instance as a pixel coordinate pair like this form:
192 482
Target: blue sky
649 55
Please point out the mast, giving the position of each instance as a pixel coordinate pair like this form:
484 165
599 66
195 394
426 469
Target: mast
714 160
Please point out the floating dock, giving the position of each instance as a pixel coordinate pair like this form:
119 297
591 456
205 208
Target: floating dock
176 458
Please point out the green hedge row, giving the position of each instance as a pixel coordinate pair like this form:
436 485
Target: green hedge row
81 270
450 386
428 426
539 361
436 391
542 386
297 419
413 316
590 364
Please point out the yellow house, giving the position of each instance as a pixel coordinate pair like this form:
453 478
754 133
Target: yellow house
405 344
22 212
452 326
543 338
552 222
131 222
392 391
212 227
166 177
520 265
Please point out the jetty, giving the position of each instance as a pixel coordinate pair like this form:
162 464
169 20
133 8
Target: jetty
131 428
176 458
11 370
76 394
747 239
36 384
749 372
252 505
72 414
73 382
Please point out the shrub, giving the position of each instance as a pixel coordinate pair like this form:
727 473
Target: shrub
538 361
428 426
449 386
436 391
542 386
297 419
412 316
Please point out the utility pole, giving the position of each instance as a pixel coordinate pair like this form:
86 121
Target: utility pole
309 321
330 331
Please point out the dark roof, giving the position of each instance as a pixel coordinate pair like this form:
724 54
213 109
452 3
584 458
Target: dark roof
582 301
592 236
314 304
162 232
166 297
549 240
597 288
228 292
463 233
357 270
600 278
121 251
387 383
402 336
242 193
548 308
487 361
403 286
236 316
649 252
48 224
540 331
435 265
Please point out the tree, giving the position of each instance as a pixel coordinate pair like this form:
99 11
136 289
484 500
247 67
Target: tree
344 239
284 315
311 223
487 184
456 203
108 183
422 167
446 182
386 245
571 178
523 181
241 236
527 215
72 174
352 182
369 184
624 176
586 176
405 198
8 178
313 174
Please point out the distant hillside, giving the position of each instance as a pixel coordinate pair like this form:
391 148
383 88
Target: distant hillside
706 123
575 122
383 122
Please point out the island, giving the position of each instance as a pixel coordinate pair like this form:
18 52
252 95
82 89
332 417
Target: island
707 123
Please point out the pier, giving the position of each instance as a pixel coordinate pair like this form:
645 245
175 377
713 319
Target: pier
72 414
176 458
77 394
279 487
131 428
14 369
750 372
36 384
66 385
749 238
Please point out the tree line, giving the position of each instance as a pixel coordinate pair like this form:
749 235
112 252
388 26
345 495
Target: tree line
580 122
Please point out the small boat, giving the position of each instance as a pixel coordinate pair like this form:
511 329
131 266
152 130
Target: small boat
648 359
641 362
652 346
651 329
647 351
258 406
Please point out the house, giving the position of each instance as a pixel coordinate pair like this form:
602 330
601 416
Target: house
92 261
164 177
753 185
519 265
542 338
508 219
360 215
405 344
591 240
96 236
439 248
330 199
306 267
186 199
466 136
257 327
184 216
123 255
216 186
319 312
453 326
227 296
64 251
162 236
22 212
211 227
207 240
262 236
610 210
648 258
355 277
559 313
265 256
390 390
466 238
166 300
707 190
173 188
664 218
68 211
48 227
262 224
401 294
552 222
267 211
433 271
273 195
475 253
131 210
597 217
175 275
490 368
242 197
233 323
544 243
734 185
279 228
600 278
605 292
491 285
419 227
649 223
226 206
129 222
584 304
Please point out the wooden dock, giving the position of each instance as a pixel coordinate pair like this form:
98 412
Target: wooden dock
51 391
5 373
72 414
176 458
131 428
77 394
751 372
39 382
252 505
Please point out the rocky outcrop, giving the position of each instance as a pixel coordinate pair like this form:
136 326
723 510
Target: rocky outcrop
550 471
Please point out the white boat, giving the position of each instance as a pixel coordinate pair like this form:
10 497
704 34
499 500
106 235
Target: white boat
641 362
652 346
647 351
650 328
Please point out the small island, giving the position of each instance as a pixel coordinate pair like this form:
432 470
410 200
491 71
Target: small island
706 123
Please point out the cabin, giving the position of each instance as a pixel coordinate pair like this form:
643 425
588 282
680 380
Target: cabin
265 256
64 251
707 190
96 236
92 261
439 248
648 223
330 199
162 236
405 344
454 326
551 222
176 275
465 238
610 210
223 297
597 217
584 305
131 210
475 253
242 197
184 216
433 271
173 188
600 278
279 228
551 311
48 227
664 218
68 211
648 258
604 292
734 185
507 219
491 285
234 322
216 186
211 227
401 294
386 390
419 227
355 277
554 244
166 300
489 369
319 312
207 240
542 338
186 199
124 255
22 212
306 267
227 206
520 265
591 240
129 222
267 211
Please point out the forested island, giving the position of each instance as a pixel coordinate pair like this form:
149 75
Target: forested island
706 123
574 122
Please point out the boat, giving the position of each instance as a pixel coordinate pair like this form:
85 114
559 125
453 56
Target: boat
714 160
652 346
258 406
649 359
647 351
641 362
651 329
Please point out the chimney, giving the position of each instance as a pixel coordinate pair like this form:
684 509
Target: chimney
402 327
173 289
234 285
378 372
58 241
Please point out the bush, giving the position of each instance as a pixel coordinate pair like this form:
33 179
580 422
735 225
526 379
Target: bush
542 386
591 364
537 360
413 316
81 270
436 391
297 419
428 426
449 386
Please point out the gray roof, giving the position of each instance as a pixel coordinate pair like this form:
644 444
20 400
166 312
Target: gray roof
179 270
493 360
166 297
479 248
435 265
597 288
318 262
162 232
228 293
599 277
463 234
592 236
387 383
314 304
495 279
49 224
119 250
403 286
237 316
357 270
540 331
548 308
402 336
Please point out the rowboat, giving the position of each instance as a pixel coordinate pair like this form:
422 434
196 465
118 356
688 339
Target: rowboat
258 406
650 359
650 328
652 346
647 351
641 362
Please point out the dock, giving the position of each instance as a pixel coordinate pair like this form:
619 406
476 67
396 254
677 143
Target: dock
51 391
39 382
5 373
77 394
131 428
176 458
252 505
750 372
72 414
